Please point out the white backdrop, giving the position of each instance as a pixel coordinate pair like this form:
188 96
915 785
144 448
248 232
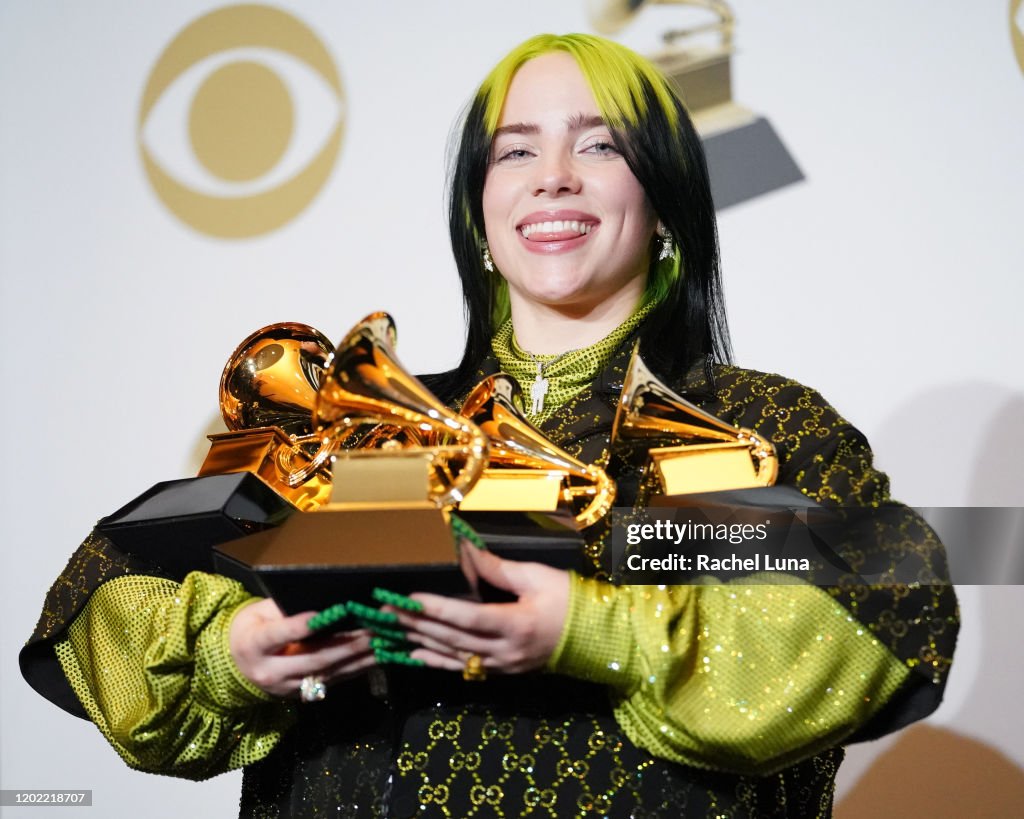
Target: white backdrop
891 279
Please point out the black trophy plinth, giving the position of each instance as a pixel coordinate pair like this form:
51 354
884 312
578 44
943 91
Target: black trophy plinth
174 524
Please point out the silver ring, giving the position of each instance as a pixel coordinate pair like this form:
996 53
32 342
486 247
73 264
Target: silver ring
312 688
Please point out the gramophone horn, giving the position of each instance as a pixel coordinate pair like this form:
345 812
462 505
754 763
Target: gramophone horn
649 411
272 378
267 392
493 405
365 384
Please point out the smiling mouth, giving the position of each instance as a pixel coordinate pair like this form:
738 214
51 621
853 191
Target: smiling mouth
555 231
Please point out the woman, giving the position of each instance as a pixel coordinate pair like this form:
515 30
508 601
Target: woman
581 221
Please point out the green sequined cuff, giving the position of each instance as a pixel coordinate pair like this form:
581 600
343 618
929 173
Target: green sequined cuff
596 643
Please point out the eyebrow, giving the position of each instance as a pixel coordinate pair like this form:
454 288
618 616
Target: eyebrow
577 122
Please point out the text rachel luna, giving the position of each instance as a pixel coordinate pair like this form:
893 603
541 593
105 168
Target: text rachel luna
706 563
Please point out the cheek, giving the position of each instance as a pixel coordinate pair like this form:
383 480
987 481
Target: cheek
497 208
494 196
635 208
637 203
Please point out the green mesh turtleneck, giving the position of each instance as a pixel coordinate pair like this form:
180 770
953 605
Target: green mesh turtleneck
568 373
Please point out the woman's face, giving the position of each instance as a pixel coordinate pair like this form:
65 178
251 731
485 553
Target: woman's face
568 224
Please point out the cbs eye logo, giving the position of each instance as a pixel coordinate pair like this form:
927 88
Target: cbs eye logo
1017 30
241 121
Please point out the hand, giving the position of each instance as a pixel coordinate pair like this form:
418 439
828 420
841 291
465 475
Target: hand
265 646
509 637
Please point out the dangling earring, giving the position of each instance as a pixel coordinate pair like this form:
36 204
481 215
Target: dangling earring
486 254
668 249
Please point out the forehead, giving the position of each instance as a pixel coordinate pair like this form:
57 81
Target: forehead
548 90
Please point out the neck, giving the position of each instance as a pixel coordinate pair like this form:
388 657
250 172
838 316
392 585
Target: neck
544 329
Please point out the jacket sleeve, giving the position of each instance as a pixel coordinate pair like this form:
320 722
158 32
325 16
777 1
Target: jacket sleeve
148 659
752 676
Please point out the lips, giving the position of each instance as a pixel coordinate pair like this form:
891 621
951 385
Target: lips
554 231
556 226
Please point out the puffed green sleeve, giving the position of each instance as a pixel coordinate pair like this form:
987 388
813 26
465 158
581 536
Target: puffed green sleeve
149 660
748 677
752 676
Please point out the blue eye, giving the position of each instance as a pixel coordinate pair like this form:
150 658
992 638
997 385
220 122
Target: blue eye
513 154
602 148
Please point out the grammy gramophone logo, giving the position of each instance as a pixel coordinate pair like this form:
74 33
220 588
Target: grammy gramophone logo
1017 30
241 121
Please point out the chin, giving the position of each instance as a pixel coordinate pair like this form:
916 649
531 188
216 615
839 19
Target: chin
560 297
557 289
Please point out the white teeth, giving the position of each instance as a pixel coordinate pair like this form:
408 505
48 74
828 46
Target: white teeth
554 227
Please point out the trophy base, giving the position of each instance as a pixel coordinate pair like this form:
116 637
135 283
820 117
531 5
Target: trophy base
748 161
318 559
260 451
745 157
174 524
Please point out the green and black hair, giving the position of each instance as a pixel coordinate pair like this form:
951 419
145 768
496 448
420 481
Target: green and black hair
654 133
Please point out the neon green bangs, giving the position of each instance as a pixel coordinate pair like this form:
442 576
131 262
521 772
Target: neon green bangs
613 72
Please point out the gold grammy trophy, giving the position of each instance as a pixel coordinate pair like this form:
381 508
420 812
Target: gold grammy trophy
526 471
715 455
745 155
268 390
701 70
389 505
246 484
365 385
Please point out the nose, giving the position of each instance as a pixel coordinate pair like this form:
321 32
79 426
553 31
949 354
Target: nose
555 175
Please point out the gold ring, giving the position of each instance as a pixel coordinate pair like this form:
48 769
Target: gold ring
474 670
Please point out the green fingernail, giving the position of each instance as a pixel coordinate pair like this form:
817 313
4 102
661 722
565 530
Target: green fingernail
396 657
463 530
396 634
370 614
399 601
328 617
386 643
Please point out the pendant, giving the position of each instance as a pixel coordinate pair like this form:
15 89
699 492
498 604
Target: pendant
538 390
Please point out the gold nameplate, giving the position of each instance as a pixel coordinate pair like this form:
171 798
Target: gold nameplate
706 468
523 490
368 479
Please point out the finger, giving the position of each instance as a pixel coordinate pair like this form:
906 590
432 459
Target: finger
436 659
483 618
274 635
319 661
513 576
339 638
459 645
350 668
